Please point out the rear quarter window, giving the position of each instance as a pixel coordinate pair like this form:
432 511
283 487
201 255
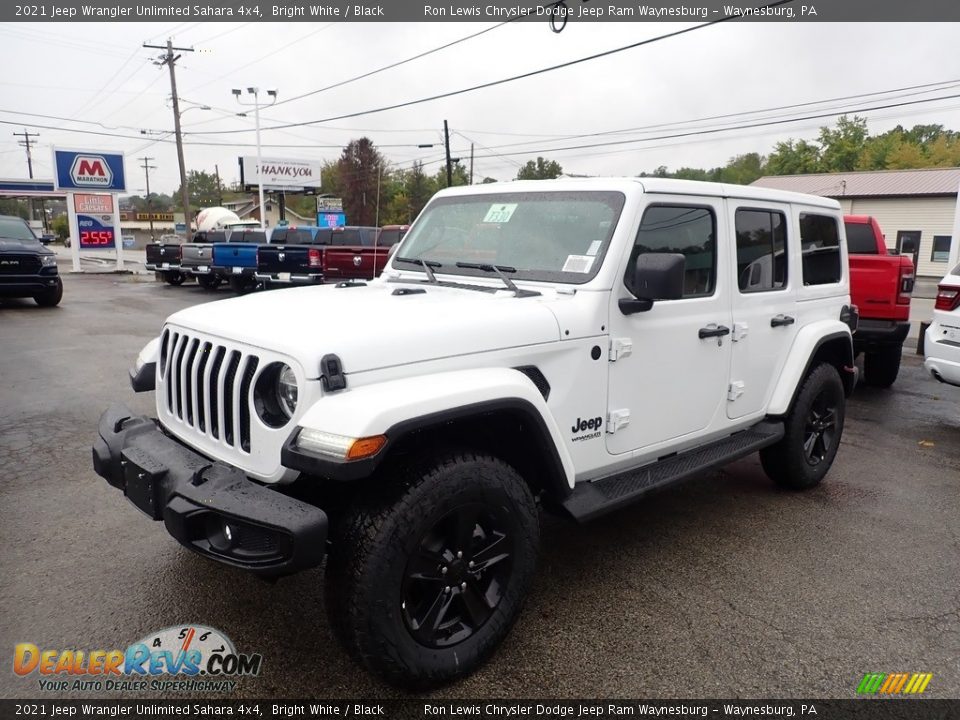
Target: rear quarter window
820 247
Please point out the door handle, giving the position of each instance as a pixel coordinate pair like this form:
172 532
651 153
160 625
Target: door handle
713 331
781 320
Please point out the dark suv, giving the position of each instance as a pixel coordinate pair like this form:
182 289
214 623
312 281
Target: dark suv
27 268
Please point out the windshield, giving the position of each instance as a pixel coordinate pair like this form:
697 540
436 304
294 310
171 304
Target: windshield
12 228
552 236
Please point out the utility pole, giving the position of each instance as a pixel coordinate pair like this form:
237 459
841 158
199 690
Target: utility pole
471 163
146 169
446 144
27 143
170 60
216 169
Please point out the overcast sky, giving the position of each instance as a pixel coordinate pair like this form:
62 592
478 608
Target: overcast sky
99 73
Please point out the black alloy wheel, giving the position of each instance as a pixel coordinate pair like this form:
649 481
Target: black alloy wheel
458 576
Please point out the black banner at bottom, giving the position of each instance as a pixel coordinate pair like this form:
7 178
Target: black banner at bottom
892 709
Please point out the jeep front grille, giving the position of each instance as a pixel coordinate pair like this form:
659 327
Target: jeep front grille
207 386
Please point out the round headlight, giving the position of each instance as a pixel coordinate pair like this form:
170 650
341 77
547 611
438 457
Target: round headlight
275 395
287 390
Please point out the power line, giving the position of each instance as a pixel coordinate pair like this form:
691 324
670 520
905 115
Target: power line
399 62
711 131
493 83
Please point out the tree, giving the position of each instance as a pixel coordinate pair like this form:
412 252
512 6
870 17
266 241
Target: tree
843 146
540 170
794 158
359 169
742 169
60 227
460 175
418 188
204 190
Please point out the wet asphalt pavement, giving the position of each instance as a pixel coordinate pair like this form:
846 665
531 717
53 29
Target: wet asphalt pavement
724 587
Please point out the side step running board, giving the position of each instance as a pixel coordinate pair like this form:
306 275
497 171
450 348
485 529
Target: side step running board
592 499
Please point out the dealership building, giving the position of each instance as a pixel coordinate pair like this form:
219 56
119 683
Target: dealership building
915 208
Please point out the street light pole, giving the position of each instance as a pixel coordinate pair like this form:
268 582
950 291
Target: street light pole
256 115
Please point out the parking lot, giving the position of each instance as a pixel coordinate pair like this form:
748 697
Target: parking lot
723 587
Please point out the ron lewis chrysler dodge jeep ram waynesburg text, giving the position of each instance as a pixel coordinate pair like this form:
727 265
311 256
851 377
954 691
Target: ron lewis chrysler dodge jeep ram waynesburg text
572 343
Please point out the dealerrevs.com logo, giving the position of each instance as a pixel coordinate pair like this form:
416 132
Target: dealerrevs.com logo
183 658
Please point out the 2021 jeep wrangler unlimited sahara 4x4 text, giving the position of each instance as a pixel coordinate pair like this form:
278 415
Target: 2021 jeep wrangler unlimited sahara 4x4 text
574 342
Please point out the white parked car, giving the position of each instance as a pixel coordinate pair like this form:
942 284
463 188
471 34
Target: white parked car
941 345
573 344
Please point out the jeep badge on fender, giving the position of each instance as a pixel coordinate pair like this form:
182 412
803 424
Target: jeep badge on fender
418 429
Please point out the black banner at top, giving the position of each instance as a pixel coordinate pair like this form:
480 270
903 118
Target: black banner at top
557 13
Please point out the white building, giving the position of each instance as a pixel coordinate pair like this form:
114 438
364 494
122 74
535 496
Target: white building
915 208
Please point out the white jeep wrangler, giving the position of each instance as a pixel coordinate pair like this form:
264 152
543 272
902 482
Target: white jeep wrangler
577 343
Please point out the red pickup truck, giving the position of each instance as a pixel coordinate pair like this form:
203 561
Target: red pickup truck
880 286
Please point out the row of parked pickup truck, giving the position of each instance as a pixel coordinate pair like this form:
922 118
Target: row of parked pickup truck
250 258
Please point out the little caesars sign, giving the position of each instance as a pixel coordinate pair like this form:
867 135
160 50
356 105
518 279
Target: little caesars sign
280 174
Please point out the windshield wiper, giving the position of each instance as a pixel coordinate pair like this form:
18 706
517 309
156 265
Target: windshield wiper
498 269
425 264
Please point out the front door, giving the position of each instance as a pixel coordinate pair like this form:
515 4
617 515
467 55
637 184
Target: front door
673 382
908 243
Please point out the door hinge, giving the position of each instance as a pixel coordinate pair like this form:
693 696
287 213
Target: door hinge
735 390
620 348
617 420
739 331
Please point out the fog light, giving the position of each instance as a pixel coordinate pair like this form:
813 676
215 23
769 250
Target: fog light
228 532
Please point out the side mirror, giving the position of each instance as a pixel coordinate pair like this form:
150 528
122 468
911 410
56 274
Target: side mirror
656 276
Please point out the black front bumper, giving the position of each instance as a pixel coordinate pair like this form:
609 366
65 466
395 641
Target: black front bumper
209 507
878 334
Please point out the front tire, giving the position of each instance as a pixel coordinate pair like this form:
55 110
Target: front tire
880 368
52 297
424 582
814 426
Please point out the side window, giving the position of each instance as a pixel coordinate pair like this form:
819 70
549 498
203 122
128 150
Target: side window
689 231
820 244
761 250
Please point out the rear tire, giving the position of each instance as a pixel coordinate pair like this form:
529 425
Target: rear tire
813 427
881 367
242 286
52 297
425 581
175 278
209 282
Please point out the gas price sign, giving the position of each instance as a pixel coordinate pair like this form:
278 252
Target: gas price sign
95 221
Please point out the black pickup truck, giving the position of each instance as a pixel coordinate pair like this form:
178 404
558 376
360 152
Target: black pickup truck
164 260
294 256
27 268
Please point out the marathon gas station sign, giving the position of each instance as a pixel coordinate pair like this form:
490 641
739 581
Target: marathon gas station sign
92 179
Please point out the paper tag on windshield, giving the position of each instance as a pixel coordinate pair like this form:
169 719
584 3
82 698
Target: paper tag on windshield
578 264
594 247
500 213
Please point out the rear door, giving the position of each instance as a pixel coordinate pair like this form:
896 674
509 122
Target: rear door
764 300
